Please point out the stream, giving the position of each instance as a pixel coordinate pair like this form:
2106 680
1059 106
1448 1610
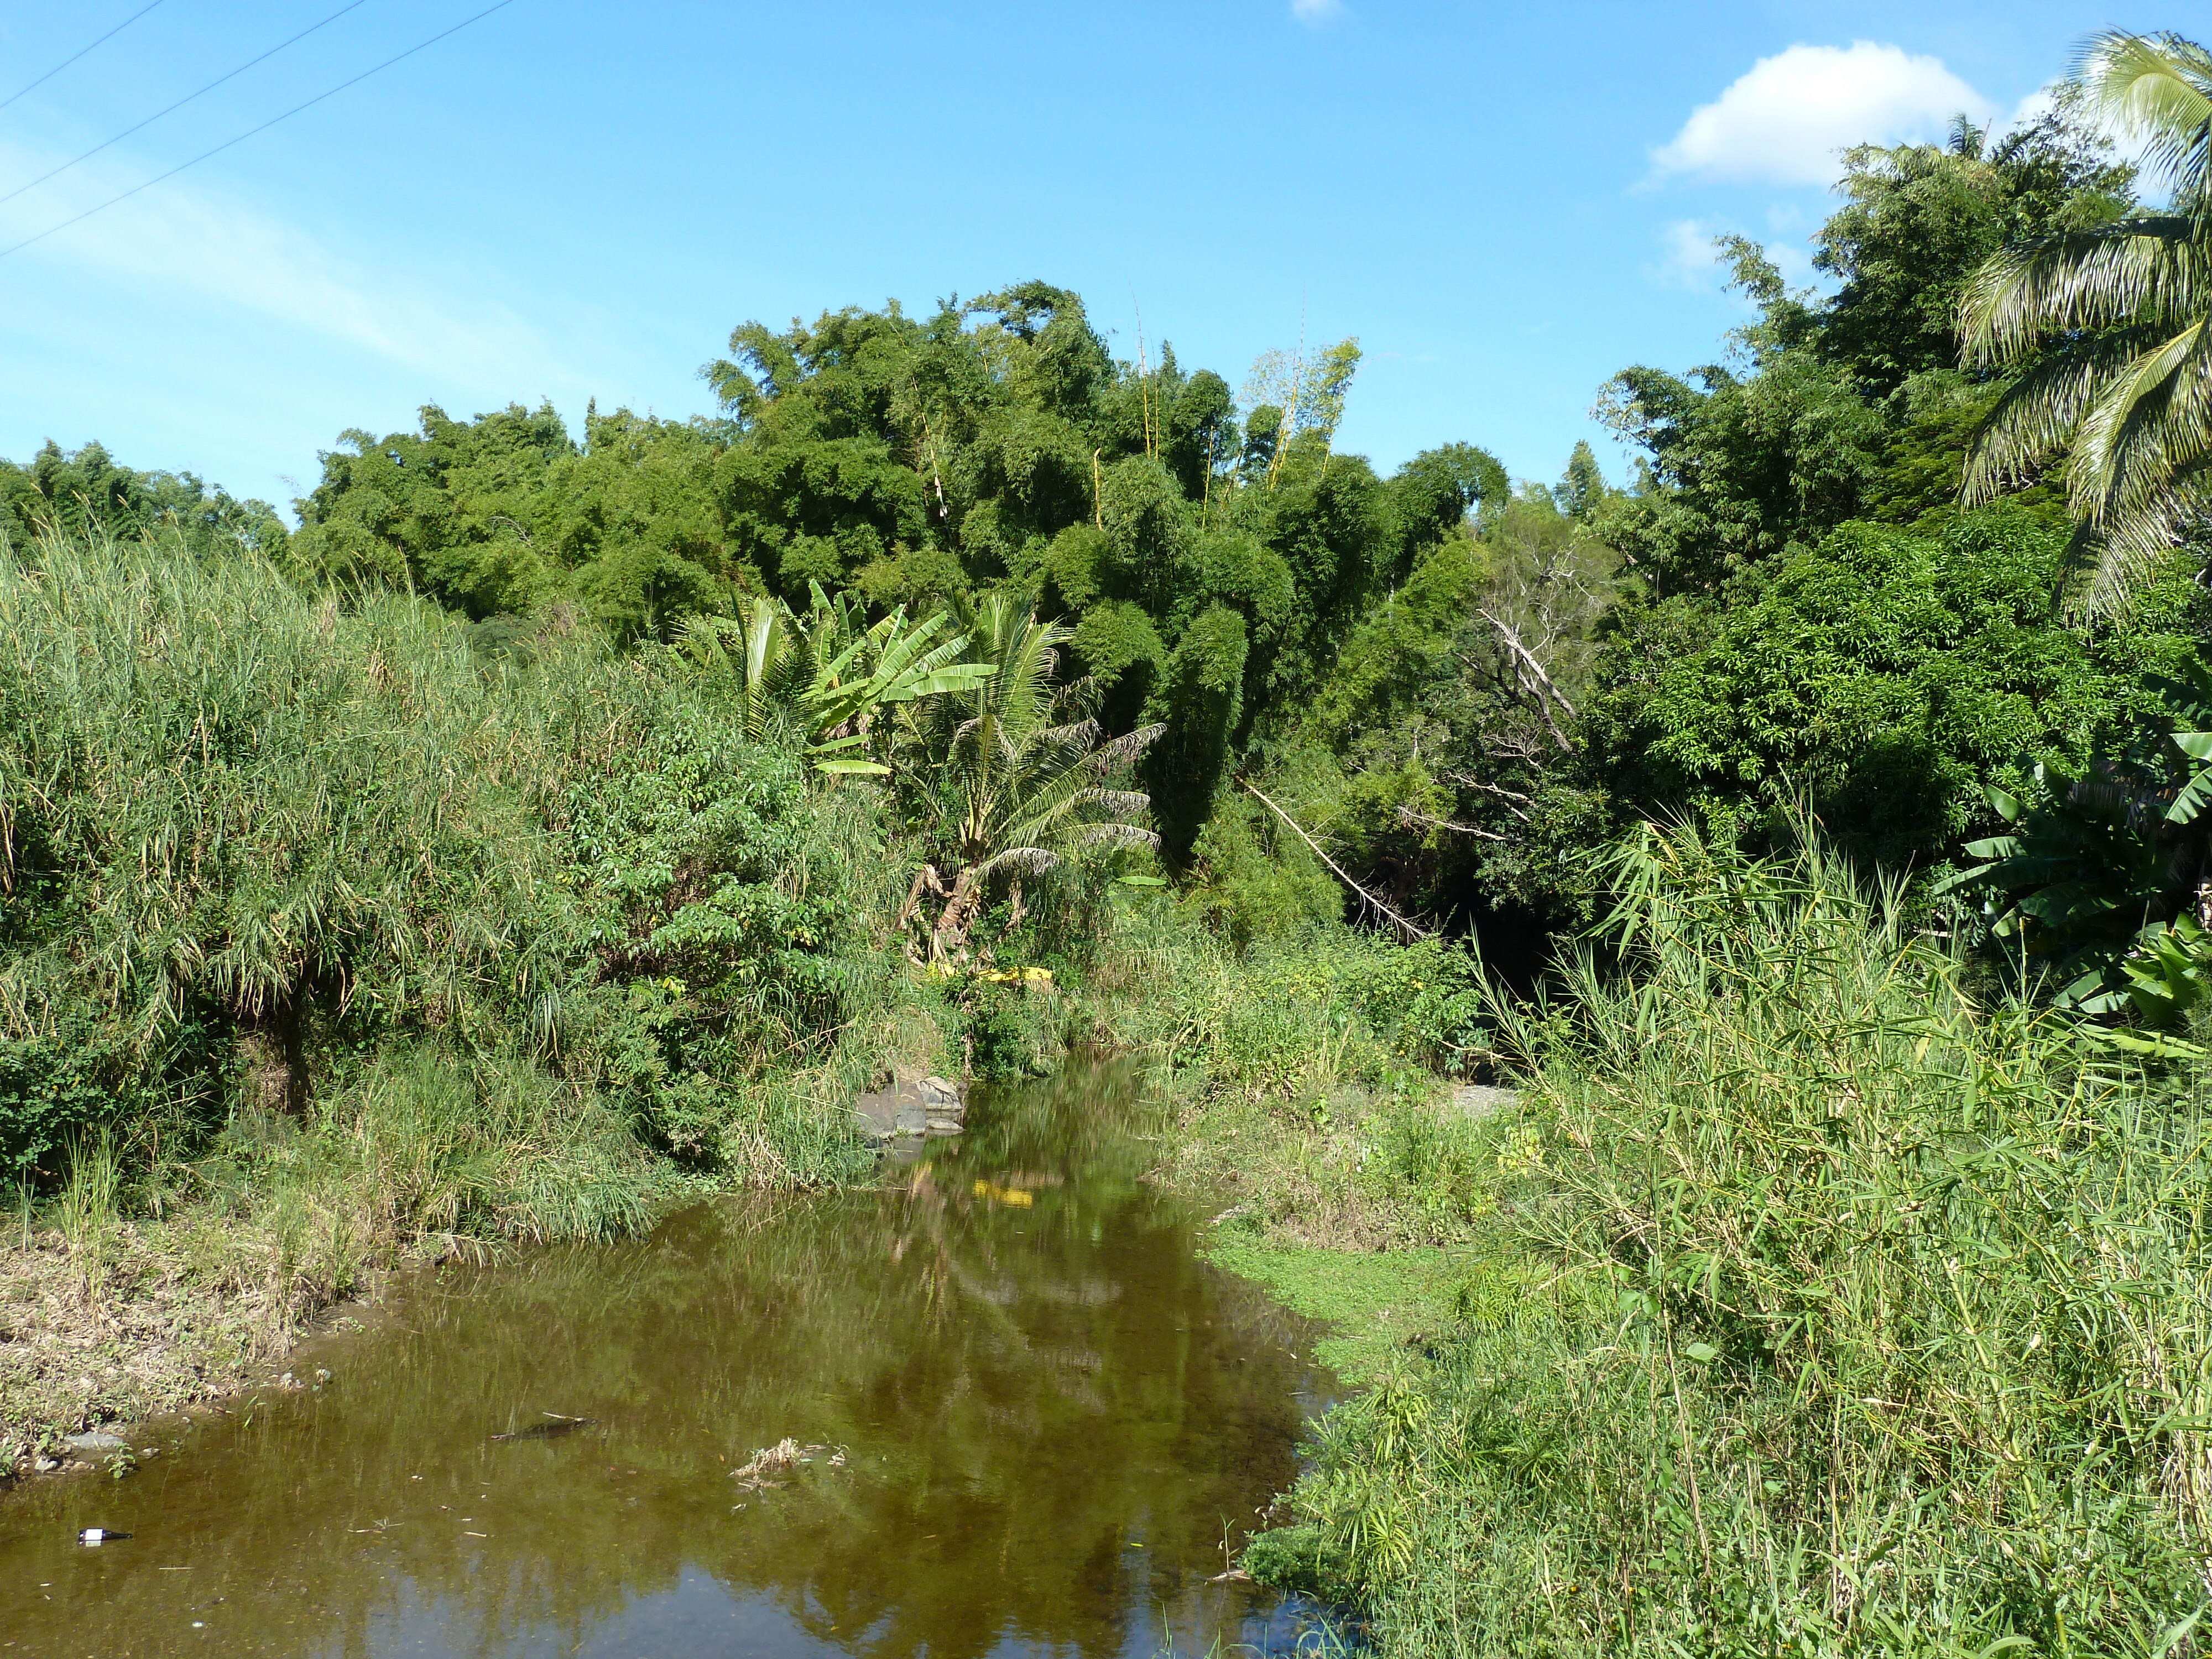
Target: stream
1025 1418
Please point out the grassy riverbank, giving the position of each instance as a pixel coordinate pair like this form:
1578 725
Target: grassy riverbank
339 935
333 934
1804 1299
1805 1302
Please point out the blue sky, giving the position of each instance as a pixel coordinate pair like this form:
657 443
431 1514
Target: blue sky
1506 204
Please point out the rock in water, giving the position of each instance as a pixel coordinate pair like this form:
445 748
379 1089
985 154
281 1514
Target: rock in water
929 1106
943 1112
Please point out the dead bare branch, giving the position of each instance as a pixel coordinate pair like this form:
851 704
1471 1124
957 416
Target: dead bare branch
1407 928
925 879
1406 815
1547 693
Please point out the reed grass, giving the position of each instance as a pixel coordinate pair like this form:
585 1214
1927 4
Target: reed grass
87 1212
1875 1318
250 830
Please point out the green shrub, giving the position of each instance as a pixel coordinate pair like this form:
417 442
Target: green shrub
1252 882
1882 679
76 1075
1005 1030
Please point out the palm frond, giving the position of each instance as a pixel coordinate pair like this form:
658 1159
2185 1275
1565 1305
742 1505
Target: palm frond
1034 859
2138 432
2039 413
2108 566
2156 90
1121 803
2110 330
1118 835
1126 748
2150 270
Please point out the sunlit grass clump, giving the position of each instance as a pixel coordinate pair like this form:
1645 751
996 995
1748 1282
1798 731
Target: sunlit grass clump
1872 1317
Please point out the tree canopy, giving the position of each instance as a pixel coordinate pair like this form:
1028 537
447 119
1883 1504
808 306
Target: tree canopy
1445 687
1205 564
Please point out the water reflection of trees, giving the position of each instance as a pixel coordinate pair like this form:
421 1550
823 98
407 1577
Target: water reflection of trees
1048 1410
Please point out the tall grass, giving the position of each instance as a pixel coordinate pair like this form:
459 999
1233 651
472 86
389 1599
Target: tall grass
1875 1319
87 1211
1304 1067
292 850
224 799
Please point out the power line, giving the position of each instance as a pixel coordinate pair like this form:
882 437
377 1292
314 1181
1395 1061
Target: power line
66 62
181 102
296 109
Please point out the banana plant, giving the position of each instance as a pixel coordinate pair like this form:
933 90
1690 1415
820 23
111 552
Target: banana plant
1019 774
2167 976
827 671
893 662
2104 882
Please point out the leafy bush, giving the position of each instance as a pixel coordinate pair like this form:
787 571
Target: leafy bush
1005 1028
61 1082
1250 880
1882 680
2102 875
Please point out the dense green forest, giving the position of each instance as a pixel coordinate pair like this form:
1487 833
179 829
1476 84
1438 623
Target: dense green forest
1813 828
1460 685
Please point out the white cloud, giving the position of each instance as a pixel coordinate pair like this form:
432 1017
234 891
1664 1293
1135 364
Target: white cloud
1687 259
1313 13
2033 108
1784 120
177 240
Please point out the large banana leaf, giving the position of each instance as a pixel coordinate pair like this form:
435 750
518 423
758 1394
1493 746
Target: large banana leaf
829 671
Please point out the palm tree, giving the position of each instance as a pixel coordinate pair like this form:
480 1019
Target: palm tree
1023 774
2109 329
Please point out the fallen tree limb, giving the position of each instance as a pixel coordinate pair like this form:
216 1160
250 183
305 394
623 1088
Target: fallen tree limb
1412 931
1407 814
1509 796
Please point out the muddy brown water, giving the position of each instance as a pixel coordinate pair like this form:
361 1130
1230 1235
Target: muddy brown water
1039 1413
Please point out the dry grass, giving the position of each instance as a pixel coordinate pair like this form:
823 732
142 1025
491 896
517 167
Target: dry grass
186 1310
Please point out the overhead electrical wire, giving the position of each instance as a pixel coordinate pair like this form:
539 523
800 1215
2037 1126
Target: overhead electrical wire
158 178
181 103
73 57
